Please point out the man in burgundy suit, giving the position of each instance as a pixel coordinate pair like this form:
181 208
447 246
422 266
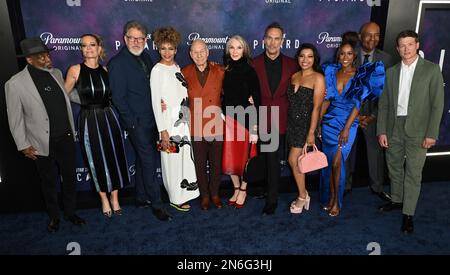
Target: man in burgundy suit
274 72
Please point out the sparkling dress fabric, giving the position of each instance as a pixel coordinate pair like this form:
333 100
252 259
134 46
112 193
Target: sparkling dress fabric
299 115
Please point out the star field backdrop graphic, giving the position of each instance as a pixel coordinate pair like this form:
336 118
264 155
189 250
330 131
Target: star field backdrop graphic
59 24
434 39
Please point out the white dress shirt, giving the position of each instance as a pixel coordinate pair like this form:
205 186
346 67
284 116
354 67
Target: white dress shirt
404 89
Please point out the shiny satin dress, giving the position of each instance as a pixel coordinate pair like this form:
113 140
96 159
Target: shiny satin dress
99 131
366 84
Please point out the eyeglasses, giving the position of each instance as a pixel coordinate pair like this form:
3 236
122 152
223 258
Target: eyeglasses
181 78
135 39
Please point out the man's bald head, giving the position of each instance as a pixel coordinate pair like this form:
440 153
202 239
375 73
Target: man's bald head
198 43
199 53
369 34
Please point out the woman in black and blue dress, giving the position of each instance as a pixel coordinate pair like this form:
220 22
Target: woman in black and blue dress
305 95
98 126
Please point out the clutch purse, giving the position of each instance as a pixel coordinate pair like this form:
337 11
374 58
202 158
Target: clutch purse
311 161
255 167
173 147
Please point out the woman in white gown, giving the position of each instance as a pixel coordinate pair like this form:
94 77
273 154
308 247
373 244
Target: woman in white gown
168 86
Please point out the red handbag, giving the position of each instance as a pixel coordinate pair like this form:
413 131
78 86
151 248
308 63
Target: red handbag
311 161
173 147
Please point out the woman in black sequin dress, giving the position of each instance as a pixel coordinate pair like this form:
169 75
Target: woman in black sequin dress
98 127
305 95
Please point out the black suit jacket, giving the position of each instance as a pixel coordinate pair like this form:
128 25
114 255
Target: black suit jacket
130 88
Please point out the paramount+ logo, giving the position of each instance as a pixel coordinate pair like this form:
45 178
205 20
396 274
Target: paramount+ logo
73 3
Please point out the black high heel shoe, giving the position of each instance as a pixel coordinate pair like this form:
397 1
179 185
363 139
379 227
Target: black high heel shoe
117 212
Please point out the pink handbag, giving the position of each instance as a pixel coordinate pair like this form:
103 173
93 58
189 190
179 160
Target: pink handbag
311 161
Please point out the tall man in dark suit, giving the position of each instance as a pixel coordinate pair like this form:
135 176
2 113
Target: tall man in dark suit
41 123
129 78
409 115
369 36
274 71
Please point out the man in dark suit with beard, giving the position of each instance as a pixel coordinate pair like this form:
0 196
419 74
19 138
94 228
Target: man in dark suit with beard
129 78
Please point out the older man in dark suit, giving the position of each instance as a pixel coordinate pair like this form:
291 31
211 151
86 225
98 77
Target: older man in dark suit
129 78
41 123
369 35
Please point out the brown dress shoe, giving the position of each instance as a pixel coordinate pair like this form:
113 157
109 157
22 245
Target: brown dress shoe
204 204
217 202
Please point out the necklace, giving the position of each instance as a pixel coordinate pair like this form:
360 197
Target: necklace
351 71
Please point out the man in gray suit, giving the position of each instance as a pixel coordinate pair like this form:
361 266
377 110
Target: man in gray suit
409 117
41 123
369 35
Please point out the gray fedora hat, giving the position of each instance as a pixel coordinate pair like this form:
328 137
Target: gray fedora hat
34 45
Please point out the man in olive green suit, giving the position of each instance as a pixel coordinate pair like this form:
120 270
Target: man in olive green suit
409 114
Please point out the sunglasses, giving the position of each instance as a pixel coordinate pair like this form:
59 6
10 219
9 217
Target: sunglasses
181 78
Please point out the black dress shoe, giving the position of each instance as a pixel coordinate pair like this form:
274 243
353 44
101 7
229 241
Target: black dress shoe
407 224
260 196
390 206
382 195
75 220
53 225
269 209
143 204
347 192
161 214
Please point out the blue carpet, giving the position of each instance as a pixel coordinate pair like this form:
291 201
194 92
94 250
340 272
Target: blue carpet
230 231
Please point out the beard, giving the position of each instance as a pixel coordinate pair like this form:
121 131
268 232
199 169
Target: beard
136 52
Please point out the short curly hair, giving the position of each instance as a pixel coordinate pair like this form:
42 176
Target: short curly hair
167 35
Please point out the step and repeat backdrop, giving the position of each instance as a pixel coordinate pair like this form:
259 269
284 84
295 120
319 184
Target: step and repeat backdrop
435 46
60 23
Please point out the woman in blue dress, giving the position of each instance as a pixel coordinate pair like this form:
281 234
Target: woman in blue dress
347 87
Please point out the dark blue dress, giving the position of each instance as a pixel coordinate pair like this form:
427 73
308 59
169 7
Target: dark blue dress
366 84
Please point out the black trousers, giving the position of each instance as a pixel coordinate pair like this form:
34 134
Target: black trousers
274 171
60 159
143 138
